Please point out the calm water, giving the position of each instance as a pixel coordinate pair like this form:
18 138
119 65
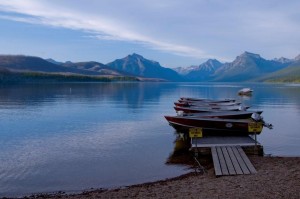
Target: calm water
72 137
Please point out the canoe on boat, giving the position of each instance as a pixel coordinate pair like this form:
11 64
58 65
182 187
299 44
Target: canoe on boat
209 108
187 99
190 104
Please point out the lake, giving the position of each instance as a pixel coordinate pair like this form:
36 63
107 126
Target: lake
76 136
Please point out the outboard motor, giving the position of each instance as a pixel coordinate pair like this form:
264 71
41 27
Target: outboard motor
180 113
242 108
256 117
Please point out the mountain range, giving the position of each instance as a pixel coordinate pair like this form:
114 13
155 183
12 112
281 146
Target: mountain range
246 67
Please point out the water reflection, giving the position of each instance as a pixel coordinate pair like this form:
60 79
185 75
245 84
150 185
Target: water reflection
132 94
75 136
181 153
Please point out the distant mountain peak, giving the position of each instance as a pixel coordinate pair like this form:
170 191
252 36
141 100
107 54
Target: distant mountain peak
245 60
137 65
297 58
210 66
136 55
283 60
213 62
249 54
201 72
139 58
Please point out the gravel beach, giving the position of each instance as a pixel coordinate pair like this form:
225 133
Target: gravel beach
277 177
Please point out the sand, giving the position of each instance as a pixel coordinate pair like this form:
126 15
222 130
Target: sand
277 177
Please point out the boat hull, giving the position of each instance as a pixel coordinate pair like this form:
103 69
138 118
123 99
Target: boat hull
212 126
221 114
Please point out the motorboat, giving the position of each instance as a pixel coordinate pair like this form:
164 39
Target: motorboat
210 126
219 114
245 91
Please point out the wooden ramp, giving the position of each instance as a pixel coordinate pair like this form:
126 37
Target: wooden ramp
211 141
231 160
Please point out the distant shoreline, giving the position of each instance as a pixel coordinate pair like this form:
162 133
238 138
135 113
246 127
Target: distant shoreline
277 177
38 77
8 77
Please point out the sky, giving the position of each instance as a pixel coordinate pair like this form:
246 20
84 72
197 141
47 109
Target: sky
172 32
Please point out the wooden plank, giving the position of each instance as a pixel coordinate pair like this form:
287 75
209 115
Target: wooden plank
240 160
246 160
223 141
222 162
235 163
231 160
228 161
216 161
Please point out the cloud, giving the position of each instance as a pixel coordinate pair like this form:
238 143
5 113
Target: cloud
197 29
97 25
